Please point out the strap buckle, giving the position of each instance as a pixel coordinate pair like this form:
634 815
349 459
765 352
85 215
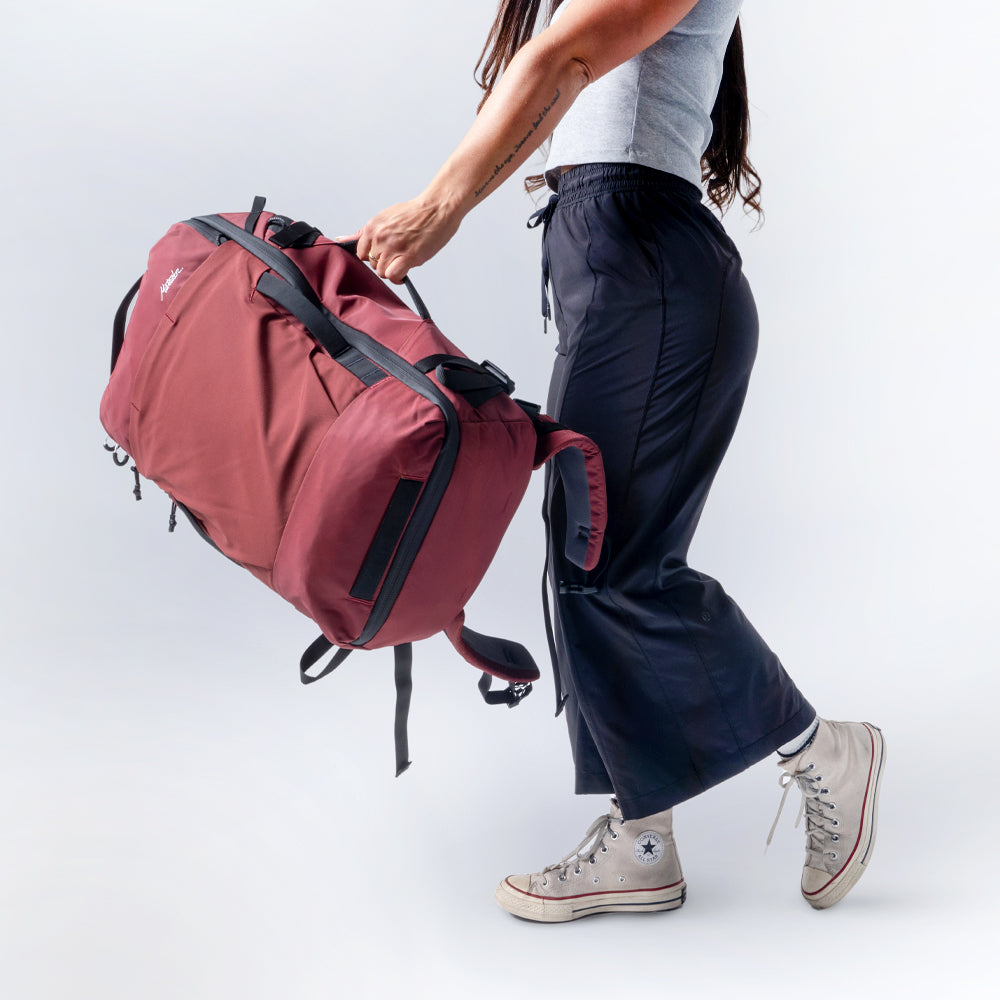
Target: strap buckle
500 375
518 690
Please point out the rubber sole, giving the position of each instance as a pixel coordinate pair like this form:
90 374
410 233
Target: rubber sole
838 887
547 909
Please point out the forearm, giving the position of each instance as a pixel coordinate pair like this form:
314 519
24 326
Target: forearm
535 91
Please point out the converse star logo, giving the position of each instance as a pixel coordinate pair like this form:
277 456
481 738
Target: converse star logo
171 278
648 848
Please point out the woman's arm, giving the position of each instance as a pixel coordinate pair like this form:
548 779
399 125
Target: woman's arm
591 38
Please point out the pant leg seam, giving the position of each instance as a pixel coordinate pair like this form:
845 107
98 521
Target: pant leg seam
635 451
571 360
704 383
670 492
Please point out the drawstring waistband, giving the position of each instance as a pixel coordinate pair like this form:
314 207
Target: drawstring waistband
591 179
588 180
542 218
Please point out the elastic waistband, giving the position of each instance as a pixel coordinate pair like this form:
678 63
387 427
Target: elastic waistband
590 179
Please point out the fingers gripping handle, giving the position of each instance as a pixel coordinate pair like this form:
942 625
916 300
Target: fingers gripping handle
351 246
578 461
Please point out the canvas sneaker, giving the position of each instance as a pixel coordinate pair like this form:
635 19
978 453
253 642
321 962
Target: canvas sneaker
839 774
620 865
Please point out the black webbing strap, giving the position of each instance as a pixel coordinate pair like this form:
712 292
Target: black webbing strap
404 686
402 676
316 651
298 234
319 325
305 311
475 382
546 612
118 327
258 206
262 250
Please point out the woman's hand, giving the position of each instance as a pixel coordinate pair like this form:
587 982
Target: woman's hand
405 235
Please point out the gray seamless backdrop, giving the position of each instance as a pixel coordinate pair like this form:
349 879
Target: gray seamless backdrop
179 818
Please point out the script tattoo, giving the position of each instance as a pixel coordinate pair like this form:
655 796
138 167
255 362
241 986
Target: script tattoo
535 125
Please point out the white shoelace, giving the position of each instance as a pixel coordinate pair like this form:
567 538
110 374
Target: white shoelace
593 841
815 809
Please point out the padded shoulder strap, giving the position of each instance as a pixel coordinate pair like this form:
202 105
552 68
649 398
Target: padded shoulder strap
502 658
578 461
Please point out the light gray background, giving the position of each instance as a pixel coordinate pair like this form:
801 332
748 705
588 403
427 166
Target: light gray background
180 819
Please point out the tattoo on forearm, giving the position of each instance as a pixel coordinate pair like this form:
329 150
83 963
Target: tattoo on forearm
535 125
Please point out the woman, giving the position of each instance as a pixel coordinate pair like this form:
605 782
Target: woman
666 686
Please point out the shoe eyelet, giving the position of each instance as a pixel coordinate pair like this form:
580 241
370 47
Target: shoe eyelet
596 880
810 767
834 855
835 822
545 882
832 805
824 791
835 837
614 836
577 871
621 878
562 878
604 849
592 860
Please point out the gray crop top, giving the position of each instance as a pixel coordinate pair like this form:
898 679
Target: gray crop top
656 108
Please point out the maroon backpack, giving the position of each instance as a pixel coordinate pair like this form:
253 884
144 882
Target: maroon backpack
324 436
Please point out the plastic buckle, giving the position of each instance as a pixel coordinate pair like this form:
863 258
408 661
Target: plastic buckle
500 375
532 409
518 690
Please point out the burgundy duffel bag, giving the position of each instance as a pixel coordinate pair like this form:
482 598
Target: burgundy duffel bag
332 441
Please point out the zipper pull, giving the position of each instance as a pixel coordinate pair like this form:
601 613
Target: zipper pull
137 491
172 523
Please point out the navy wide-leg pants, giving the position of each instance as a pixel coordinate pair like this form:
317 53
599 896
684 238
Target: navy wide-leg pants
668 688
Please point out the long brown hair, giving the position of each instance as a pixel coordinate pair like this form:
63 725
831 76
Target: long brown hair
725 165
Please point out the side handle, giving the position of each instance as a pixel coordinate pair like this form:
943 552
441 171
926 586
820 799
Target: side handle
351 246
118 328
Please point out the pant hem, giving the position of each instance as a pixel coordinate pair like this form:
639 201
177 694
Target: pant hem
648 803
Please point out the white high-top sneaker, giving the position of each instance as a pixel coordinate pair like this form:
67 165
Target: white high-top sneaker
839 774
620 865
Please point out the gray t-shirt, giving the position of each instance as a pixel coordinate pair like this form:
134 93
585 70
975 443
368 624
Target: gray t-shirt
656 108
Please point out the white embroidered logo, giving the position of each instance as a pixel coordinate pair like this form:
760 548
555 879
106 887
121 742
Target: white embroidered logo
648 848
165 287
